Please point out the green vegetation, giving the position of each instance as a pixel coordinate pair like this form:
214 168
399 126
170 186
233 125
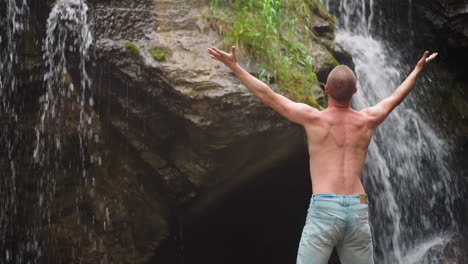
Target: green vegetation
132 48
160 53
277 35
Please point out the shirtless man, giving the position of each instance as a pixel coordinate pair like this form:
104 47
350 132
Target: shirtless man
338 141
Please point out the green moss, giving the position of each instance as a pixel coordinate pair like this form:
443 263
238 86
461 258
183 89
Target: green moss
160 53
277 35
132 48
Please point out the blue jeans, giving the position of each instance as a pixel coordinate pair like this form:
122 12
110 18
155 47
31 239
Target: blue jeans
336 220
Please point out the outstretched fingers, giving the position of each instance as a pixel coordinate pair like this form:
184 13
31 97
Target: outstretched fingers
433 56
426 59
224 57
213 52
424 56
219 51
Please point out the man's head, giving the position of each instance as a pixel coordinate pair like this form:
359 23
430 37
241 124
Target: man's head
341 84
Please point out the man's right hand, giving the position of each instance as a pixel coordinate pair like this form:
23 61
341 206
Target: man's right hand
229 59
425 60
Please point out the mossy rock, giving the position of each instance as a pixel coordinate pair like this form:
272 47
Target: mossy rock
132 48
324 61
160 53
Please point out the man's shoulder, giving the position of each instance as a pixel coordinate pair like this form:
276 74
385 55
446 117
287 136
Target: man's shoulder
372 110
315 118
373 114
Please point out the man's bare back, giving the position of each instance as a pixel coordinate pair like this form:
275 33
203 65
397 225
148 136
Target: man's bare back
338 142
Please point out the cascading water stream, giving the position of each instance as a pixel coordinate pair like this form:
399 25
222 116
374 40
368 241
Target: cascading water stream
68 39
407 169
66 105
12 22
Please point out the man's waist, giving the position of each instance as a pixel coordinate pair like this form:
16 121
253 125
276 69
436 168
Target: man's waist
361 198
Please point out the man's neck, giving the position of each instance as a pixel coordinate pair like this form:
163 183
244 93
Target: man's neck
332 104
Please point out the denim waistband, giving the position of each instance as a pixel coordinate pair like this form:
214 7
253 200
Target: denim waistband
326 195
355 198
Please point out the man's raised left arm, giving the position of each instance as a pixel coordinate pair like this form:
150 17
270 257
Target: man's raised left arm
297 112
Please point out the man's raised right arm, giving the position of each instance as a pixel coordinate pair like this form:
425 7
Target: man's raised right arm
380 111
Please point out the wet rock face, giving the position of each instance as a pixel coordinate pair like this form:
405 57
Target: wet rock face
443 22
449 18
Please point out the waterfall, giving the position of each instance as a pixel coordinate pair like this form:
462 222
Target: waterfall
65 112
408 178
68 39
12 22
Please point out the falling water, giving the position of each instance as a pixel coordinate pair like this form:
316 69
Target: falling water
68 39
65 107
407 169
12 22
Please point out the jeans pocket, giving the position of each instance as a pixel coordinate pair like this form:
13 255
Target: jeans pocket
319 232
320 229
363 227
